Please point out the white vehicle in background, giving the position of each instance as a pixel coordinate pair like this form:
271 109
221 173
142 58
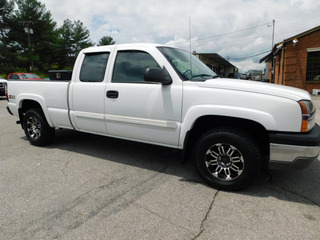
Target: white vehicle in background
165 96
3 84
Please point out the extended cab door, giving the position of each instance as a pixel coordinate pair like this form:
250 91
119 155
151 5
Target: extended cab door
140 110
87 93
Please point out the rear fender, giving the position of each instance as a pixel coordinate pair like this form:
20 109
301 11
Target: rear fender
25 100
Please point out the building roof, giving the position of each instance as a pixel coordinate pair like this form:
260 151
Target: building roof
214 57
275 50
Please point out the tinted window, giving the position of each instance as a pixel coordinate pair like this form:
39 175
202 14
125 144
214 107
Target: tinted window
94 67
130 66
14 76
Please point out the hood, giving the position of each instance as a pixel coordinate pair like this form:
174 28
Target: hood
257 87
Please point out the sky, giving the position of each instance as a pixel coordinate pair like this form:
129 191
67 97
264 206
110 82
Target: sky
238 30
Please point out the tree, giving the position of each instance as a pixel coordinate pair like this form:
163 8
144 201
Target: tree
81 37
65 43
106 40
6 10
34 32
73 37
30 37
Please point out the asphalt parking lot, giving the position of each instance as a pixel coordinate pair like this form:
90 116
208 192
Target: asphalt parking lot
91 187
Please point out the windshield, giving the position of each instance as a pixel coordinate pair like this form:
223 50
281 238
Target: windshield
187 65
28 75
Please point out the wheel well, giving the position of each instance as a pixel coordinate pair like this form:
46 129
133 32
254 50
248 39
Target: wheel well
26 105
205 123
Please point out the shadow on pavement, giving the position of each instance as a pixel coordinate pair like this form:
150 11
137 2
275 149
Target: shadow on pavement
298 186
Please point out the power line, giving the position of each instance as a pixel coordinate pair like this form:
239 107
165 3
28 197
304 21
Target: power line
223 34
228 33
250 38
237 58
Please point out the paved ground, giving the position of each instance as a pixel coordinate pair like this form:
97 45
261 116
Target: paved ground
91 187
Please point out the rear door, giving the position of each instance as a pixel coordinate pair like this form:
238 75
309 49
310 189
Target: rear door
87 94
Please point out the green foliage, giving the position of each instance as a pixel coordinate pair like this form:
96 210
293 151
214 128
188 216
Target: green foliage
41 75
73 37
6 10
44 46
106 40
32 33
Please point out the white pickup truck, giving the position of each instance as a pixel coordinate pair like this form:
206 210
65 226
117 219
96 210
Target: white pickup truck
155 94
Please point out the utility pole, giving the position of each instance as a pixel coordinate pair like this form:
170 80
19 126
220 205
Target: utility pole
273 62
29 31
190 43
273 23
190 32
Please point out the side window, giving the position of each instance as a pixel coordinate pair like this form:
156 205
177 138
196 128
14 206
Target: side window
94 67
130 66
14 76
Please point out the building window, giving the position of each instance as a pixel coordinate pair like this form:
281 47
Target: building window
313 66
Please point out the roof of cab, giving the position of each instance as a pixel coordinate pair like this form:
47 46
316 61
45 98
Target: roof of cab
128 45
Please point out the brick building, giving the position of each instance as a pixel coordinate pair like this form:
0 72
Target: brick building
296 61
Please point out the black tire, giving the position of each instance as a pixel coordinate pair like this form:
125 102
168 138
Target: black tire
36 127
227 158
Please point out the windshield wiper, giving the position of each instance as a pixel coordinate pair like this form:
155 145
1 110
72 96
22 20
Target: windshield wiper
205 75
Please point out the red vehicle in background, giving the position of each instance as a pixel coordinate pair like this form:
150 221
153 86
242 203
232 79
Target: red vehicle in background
24 76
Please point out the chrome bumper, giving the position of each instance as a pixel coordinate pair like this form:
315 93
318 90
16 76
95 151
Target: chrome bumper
292 156
294 150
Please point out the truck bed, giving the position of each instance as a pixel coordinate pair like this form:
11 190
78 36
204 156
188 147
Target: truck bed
51 95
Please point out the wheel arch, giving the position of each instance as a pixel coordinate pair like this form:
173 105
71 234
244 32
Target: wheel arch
205 123
28 104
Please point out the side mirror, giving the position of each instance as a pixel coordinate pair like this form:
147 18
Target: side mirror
157 75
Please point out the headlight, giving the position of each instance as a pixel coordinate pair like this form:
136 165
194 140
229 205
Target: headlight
308 115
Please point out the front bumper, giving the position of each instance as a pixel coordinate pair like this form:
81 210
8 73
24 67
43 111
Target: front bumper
294 150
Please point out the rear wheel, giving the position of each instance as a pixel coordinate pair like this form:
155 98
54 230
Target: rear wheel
36 128
227 158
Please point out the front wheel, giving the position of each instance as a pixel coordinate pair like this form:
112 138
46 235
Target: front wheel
36 128
227 158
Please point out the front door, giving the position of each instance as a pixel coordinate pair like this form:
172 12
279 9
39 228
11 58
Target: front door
140 110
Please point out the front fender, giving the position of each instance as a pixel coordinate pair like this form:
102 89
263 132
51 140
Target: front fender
194 113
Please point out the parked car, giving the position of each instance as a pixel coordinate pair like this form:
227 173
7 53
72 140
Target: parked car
237 75
243 76
265 80
3 84
24 76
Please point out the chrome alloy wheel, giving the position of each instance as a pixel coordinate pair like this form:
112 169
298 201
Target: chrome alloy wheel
224 161
34 128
